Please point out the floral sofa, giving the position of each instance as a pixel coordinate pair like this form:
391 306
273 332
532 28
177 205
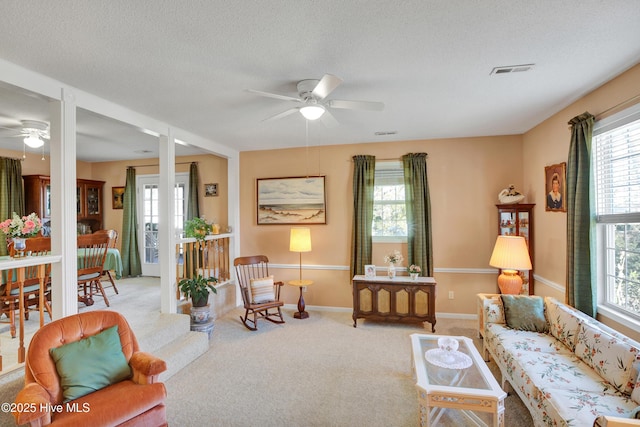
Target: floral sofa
568 368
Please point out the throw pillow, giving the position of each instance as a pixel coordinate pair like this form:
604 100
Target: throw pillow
262 290
524 313
90 364
608 356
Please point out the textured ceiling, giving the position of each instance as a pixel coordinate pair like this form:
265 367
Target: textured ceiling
189 63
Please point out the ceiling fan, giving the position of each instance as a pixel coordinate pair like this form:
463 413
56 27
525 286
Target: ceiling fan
312 95
33 132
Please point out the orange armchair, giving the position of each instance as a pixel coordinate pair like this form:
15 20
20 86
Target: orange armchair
135 401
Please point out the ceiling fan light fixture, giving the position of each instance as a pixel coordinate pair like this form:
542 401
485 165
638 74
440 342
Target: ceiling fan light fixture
312 112
34 141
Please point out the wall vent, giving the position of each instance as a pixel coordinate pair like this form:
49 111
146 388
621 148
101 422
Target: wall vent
512 69
383 133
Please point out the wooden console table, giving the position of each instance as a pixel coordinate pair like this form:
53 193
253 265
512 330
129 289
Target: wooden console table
400 299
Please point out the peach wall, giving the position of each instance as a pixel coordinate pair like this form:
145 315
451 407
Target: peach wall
212 169
547 144
465 177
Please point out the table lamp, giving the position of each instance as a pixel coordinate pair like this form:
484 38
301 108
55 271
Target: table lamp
300 241
510 254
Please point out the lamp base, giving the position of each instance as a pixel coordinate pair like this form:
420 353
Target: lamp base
510 282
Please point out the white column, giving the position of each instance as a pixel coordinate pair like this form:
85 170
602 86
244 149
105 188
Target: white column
166 227
64 293
233 211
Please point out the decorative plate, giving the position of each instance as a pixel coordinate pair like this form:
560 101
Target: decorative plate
448 359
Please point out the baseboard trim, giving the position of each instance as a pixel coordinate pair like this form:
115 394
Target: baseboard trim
459 316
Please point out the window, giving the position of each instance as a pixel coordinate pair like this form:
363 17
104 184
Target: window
616 148
389 211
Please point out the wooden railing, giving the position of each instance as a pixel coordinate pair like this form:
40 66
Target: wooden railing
20 265
209 257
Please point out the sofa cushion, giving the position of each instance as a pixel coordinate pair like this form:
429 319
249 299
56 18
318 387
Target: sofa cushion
563 322
262 290
90 364
524 313
608 356
115 405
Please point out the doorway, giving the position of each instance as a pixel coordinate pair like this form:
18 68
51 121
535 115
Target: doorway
148 217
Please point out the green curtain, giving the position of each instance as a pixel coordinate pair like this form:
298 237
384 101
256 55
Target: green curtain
193 210
11 193
419 231
364 173
581 289
130 256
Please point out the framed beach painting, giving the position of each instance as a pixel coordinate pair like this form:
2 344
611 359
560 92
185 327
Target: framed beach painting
295 200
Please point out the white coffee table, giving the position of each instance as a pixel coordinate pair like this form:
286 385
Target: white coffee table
455 395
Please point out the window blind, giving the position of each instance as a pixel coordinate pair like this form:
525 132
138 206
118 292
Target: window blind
617 168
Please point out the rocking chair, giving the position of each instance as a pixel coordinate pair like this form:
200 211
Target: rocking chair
259 293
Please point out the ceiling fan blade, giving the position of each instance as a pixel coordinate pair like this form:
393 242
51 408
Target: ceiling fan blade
281 115
274 95
328 120
326 85
356 105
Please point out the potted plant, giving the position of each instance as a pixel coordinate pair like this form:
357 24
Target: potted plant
414 271
198 289
197 227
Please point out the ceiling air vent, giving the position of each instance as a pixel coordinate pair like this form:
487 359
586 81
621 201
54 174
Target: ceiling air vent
512 69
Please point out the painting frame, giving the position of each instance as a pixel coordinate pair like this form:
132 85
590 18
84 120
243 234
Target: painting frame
291 200
211 190
555 199
370 271
117 197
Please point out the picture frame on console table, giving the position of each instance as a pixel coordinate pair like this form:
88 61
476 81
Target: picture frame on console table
293 200
369 271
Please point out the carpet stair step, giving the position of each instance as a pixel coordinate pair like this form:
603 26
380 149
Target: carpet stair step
160 329
182 351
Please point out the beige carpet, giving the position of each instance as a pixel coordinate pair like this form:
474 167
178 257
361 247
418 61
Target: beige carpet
314 372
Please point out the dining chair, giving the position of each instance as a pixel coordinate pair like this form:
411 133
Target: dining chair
113 242
92 251
10 291
260 294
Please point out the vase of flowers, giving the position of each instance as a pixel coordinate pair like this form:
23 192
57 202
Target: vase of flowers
391 260
414 271
20 228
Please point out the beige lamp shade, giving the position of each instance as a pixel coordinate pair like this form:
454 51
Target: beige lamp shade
510 254
300 240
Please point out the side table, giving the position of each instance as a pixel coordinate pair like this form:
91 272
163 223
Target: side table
301 314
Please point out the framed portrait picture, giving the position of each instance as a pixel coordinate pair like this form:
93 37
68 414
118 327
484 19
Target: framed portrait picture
556 187
117 195
369 271
296 200
210 190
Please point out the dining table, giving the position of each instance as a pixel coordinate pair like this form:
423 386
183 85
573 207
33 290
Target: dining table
112 262
18 265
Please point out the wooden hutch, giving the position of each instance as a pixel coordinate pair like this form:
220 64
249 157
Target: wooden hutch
37 192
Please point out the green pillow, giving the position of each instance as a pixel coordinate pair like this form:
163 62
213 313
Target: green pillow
90 364
525 313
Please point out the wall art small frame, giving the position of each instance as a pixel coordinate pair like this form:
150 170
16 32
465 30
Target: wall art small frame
117 197
370 271
555 184
293 200
211 190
